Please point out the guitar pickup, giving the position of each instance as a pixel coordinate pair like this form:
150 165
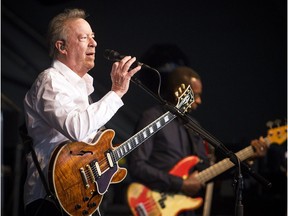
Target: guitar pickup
140 209
95 170
110 158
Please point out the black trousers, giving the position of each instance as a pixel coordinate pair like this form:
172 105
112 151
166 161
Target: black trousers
42 207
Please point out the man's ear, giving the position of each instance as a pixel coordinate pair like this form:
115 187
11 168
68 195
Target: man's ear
60 45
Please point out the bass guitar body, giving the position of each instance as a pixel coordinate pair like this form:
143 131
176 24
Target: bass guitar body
145 202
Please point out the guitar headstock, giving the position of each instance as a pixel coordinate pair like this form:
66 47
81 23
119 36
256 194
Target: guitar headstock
185 98
278 134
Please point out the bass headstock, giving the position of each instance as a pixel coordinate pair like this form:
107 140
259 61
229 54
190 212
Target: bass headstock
276 134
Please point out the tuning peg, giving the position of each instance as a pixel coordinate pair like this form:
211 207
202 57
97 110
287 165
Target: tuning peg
277 122
180 90
183 86
269 124
176 94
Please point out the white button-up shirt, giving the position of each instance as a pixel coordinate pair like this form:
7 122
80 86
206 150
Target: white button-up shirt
57 109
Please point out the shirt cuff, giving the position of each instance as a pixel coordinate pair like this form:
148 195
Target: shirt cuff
176 183
115 99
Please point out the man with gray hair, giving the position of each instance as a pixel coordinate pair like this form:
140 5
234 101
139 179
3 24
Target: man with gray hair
57 106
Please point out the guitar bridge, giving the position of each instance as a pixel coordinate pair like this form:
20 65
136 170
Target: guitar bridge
84 178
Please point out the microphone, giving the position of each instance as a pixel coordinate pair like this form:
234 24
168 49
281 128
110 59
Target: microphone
114 56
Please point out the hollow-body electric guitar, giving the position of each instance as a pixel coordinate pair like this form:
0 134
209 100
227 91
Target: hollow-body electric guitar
145 202
80 173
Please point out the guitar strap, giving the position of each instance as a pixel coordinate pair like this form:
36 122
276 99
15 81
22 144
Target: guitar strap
196 140
27 141
90 100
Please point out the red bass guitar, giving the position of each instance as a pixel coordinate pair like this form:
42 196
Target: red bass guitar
145 202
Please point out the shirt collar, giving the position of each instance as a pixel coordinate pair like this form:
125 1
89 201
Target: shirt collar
72 77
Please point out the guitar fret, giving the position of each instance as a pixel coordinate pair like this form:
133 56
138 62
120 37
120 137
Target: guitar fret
144 203
123 149
118 153
97 175
166 118
245 153
223 165
158 124
143 135
151 130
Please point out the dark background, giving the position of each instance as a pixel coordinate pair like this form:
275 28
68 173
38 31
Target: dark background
238 47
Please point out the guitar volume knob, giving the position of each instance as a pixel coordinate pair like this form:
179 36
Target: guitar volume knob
77 206
91 205
85 212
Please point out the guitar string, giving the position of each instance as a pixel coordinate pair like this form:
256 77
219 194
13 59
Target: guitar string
142 137
243 154
225 164
103 162
106 166
150 205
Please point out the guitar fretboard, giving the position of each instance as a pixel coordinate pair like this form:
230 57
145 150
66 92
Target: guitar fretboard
132 143
276 135
226 164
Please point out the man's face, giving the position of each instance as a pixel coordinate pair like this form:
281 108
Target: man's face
80 46
196 86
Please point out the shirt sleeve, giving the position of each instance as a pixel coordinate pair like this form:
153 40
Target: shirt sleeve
67 109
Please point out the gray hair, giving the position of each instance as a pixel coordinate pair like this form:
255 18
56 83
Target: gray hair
57 29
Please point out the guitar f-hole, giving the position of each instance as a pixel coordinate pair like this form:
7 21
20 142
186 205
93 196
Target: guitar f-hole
81 153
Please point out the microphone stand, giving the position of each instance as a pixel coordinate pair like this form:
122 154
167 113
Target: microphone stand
190 124
239 185
238 181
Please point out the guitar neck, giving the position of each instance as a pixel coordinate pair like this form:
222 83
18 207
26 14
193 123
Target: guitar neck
226 164
135 141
